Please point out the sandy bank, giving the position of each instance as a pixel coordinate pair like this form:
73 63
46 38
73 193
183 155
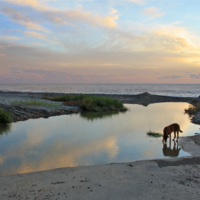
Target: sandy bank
174 178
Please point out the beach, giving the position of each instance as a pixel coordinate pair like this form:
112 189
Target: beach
171 178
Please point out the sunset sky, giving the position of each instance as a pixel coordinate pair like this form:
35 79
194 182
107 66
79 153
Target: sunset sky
99 41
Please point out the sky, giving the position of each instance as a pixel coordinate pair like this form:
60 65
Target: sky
99 41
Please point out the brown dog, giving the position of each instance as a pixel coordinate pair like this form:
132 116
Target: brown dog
169 129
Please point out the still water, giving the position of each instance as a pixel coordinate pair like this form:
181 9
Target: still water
89 139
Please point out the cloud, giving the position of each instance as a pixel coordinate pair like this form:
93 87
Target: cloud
34 34
170 77
195 76
33 18
22 18
79 16
139 2
148 41
113 11
26 64
34 3
168 38
22 75
152 12
9 38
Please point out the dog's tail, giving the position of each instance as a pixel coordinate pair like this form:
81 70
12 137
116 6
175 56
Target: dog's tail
180 130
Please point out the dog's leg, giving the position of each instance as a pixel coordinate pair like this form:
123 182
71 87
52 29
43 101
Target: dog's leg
174 148
174 136
177 136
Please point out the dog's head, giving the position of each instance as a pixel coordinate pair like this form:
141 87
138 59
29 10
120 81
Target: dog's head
165 136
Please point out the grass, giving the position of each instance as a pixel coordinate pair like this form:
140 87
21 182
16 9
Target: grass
34 103
5 117
153 134
90 102
193 109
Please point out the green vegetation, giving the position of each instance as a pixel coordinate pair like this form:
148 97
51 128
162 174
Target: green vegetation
90 103
153 134
5 117
193 109
5 128
34 103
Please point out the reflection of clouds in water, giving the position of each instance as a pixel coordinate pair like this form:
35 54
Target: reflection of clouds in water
150 152
73 141
59 156
57 152
2 158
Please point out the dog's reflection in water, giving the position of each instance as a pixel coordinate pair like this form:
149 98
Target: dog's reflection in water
168 151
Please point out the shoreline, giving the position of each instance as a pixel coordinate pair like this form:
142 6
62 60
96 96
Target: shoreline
22 113
168 178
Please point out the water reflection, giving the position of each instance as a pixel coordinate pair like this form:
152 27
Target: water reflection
97 115
90 138
5 128
169 151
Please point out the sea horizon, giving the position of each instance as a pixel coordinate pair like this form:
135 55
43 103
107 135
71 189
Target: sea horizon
178 90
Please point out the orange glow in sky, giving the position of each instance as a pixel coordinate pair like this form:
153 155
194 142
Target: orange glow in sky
130 41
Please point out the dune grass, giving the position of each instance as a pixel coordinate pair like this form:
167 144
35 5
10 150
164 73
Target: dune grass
5 117
192 109
34 103
154 134
90 102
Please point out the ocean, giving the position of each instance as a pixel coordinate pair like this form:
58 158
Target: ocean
178 90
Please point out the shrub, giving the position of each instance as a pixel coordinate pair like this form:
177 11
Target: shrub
90 102
95 103
193 109
153 134
5 117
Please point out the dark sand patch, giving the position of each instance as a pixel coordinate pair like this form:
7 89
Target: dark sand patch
183 161
196 139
